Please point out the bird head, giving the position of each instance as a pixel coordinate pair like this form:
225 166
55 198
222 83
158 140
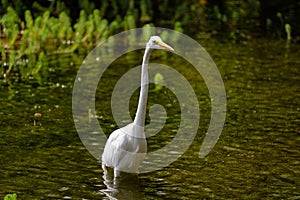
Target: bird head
155 42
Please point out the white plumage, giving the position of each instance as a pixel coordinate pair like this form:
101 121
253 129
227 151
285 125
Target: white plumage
126 147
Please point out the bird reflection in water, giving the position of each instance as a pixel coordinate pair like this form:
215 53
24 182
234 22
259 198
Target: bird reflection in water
125 186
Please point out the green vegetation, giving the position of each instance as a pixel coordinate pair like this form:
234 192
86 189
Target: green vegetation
34 29
49 35
158 81
10 197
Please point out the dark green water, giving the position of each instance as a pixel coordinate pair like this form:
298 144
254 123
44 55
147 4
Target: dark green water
256 157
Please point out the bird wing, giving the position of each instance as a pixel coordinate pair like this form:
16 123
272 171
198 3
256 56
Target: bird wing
122 151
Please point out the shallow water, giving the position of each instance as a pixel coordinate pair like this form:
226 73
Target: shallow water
256 157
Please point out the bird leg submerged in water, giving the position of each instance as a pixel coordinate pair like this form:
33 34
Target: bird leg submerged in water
126 147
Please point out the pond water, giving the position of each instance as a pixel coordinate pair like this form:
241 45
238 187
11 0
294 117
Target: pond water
256 157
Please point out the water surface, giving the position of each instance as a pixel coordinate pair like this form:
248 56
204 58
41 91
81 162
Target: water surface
256 157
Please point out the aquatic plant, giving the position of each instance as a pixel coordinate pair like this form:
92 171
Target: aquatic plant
158 81
288 31
47 34
10 197
145 7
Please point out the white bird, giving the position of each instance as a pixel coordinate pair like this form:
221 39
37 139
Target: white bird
126 147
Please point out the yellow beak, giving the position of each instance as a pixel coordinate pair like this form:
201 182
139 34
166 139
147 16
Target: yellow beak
165 46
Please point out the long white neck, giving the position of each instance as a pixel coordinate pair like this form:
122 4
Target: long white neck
140 116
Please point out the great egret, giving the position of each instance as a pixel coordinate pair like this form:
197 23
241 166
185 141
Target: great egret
126 147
